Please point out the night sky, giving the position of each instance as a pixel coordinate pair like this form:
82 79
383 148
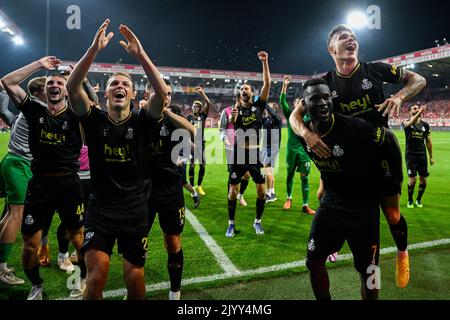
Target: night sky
222 34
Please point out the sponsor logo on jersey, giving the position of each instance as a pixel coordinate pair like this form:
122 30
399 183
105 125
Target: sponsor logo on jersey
394 70
52 138
356 105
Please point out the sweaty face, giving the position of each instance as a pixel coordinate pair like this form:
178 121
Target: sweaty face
344 46
119 92
318 103
246 93
55 89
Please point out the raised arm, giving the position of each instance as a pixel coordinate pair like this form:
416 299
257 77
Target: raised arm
133 46
201 92
414 84
11 82
179 122
312 139
273 114
79 99
413 120
264 57
223 125
283 102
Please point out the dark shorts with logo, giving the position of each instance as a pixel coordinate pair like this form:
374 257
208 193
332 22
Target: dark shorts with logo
168 202
237 171
101 232
47 195
417 166
331 228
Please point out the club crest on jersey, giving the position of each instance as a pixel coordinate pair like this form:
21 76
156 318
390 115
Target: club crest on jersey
311 245
89 235
334 94
423 129
366 84
41 120
253 109
29 220
337 151
130 134
164 132
233 175
65 126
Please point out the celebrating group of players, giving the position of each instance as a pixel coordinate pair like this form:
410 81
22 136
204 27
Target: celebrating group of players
138 169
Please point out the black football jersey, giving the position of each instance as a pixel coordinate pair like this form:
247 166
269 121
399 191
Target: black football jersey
54 139
357 94
199 124
118 174
350 175
415 139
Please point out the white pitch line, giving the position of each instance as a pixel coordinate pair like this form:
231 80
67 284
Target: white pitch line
268 269
218 253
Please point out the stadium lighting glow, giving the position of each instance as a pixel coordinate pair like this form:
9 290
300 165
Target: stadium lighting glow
412 66
2 23
357 19
18 40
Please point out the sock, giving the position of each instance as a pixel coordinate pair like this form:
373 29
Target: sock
422 188
244 184
201 174
290 183
195 194
62 256
3 266
5 252
410 193
305 189
231 209
33 275
175 268
191 174
44 240
399 232
63 242
257 220
230 222
260 207
83 270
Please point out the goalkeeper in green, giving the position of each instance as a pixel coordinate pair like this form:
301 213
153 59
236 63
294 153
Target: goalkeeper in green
296 158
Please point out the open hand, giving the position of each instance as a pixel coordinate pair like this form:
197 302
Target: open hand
101 40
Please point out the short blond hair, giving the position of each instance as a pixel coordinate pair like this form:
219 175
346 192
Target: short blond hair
36 85
120 73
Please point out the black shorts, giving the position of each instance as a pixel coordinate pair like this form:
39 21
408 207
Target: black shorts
182 172
101 232
237 171
417 165
330 228
87 189
168 202
45 195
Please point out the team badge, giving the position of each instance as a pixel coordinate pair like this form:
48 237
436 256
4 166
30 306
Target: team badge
164 132
334 94
41 120
65 126
366 84
311 245
130 134
337 151
253 109
29 220
423 129
233 175
89 235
